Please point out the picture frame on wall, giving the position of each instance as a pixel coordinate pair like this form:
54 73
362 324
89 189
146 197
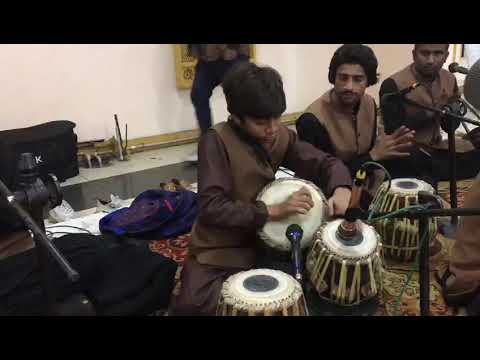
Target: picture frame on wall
185 65
458 53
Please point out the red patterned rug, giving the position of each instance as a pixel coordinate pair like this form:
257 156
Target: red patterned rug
175 249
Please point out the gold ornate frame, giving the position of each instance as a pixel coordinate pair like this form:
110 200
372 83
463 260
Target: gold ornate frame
458 52
185 65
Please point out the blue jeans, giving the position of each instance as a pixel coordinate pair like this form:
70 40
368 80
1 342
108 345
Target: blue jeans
208 75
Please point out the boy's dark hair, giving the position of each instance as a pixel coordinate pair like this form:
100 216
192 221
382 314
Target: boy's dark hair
355 54
254 91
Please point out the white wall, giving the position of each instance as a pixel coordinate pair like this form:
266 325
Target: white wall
87 84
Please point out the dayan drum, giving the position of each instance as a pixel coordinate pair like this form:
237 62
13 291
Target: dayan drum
400 236
261 292
345 273
278 191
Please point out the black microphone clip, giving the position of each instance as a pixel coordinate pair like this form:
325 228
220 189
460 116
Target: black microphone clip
400 93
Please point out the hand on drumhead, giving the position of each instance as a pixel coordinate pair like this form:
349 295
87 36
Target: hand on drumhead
338 202
300 202
394 145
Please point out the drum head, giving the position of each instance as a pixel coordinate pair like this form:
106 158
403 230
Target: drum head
363 250
409 186
259 289
273 233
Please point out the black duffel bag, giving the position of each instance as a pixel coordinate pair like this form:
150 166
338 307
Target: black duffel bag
53 144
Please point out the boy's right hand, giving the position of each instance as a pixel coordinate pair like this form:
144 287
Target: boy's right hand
300 202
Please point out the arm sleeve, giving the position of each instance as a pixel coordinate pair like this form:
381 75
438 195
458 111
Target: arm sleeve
315 165
215 184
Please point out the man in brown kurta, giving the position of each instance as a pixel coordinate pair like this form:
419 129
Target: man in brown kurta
463 278
438 88
237 159
343 121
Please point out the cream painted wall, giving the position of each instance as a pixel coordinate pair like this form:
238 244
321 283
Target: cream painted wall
87 84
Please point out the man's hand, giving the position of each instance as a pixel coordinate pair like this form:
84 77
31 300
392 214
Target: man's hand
230 54
300 202
394 145
338 202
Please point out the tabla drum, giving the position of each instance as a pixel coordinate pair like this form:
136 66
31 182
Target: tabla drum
400 236
278 191
346 273
261 292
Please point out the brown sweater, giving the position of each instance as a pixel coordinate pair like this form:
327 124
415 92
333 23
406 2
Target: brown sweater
350 135
233 169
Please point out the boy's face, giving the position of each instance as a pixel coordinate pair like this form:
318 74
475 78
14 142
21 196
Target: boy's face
263 130
350 84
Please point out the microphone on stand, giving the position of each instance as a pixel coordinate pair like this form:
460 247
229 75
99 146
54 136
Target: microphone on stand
347 230
455 67
401 93
471 85
294 234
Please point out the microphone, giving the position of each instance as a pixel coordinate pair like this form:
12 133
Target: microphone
456 106
347 230
454 67
294 234
400 93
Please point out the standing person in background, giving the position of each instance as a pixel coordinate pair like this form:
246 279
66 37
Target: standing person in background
214 60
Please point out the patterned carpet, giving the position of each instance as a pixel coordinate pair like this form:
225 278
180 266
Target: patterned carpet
462 188
393 280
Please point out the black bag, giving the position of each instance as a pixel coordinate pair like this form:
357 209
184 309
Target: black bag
54 145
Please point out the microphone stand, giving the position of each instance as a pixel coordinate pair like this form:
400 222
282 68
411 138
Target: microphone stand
34 194
423 216
450 122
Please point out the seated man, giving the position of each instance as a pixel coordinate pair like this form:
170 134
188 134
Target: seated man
237 159
439 87
343 121
463 276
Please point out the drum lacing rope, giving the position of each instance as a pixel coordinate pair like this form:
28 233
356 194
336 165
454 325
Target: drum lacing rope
319 261
289 300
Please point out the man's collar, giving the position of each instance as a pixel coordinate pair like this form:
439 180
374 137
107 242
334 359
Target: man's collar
420 78
259 150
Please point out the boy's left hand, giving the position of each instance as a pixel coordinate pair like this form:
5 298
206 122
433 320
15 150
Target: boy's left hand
338 202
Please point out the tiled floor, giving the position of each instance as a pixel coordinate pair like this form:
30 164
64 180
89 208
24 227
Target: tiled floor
127 179
137 162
